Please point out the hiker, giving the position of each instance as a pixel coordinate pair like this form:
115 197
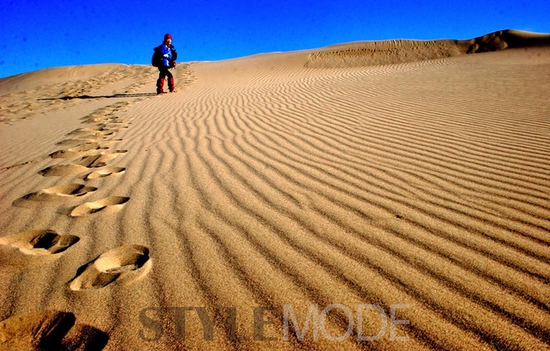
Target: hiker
165 58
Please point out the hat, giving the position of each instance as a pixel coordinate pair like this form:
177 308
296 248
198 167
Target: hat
167 36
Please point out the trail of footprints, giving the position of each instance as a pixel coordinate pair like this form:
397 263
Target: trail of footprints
87 152
53 97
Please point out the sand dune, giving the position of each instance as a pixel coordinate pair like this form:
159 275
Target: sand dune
394 195
402 51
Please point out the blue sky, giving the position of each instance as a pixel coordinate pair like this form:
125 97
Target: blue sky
40 34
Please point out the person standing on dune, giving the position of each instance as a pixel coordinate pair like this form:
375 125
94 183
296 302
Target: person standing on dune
164 58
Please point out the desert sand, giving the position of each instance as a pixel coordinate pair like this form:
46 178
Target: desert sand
375 195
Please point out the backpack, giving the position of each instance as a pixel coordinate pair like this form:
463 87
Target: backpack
156 60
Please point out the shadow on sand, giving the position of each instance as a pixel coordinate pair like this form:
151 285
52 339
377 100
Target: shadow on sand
70 97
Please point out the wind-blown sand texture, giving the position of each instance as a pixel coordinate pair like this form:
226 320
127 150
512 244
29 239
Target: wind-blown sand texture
404 175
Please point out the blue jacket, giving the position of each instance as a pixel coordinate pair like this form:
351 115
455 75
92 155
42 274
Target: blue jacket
168 53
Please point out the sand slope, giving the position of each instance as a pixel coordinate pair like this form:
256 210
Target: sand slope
395 176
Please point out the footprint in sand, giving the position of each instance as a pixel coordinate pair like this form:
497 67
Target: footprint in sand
122 263
105 172
94 117
81 165
75 142
63 170
56 193
39 242
99 205
49 331
92 132
78 150
99 160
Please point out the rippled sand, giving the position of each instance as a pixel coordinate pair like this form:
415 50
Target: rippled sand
403 184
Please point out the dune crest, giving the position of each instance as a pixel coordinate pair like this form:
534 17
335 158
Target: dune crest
403 51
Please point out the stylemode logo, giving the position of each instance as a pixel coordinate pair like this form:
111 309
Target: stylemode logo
313 324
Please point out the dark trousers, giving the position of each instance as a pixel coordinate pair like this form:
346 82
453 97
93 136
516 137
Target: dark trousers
163 74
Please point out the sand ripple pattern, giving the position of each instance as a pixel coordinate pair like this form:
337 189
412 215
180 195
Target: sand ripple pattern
267 183
419 184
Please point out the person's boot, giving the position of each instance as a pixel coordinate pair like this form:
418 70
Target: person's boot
171 84
160 86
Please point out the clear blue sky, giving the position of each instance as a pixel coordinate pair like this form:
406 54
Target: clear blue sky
39 34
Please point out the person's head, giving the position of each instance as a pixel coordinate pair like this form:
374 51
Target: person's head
167 39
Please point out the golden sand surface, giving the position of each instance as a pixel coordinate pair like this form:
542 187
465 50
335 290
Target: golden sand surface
375 195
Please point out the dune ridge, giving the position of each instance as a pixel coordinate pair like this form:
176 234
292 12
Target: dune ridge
401 51
266 182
